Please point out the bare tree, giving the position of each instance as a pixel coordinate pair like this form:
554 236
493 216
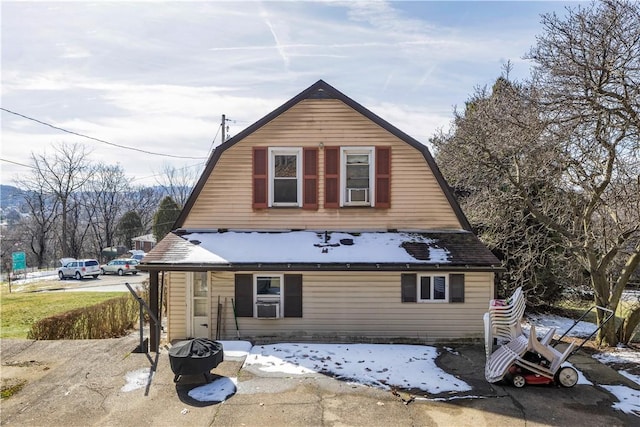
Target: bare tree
177 183
588 70
63 174
42 208
106 191
497 129
143 201
566 146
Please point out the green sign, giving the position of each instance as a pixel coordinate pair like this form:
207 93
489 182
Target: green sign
19 261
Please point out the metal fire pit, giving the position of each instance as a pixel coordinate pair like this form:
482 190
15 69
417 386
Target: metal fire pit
194 357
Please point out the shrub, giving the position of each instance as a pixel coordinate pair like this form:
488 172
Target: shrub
109 319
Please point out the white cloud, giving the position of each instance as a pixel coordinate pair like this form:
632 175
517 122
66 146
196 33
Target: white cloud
161 75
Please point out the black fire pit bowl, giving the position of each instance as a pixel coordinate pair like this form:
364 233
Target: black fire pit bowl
196 356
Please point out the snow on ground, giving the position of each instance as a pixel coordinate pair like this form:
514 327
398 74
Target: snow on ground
628 398
544 322
216 391
388 366
378 365
236 349
620 356
36 276
136 379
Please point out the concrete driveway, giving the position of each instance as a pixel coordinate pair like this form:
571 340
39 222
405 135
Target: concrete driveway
80 383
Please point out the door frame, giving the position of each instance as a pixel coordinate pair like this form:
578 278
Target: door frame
190 321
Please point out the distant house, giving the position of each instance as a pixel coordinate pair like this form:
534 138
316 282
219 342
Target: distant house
144 243
322 221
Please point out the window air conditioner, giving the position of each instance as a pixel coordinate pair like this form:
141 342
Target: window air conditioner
358 195
268 310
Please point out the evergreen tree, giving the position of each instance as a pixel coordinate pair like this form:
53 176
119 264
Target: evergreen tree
164 218
129 226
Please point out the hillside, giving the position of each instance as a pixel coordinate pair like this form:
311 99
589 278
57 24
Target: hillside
10 196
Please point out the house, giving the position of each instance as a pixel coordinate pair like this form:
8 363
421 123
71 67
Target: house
322 221
144 243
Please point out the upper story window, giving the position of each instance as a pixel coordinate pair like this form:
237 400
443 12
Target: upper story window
353 176
285 176
357 184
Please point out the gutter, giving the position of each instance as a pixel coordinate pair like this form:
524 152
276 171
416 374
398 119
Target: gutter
320 267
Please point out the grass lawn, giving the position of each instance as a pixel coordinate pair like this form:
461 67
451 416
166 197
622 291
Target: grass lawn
19 311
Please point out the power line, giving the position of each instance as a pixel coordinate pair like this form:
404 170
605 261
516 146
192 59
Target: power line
214 139
101 140
16 163
162 173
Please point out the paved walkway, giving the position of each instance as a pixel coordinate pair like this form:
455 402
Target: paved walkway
71 383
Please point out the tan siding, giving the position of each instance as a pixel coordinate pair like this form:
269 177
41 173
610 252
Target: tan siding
222 285
176 283
359 306
417 201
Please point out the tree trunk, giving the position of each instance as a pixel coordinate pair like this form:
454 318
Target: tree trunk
628 326
607 334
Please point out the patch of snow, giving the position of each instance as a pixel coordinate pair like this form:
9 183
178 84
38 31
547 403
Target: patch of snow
216 391
36 276
621 355
136 379
618 354
452 351
628 398
544 322
445 399
235 349
378 365
309 247
633 377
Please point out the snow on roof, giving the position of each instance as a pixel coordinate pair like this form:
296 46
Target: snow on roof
145 238
234 247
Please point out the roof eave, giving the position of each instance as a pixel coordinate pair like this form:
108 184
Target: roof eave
319 267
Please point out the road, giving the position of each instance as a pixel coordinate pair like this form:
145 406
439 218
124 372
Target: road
108 283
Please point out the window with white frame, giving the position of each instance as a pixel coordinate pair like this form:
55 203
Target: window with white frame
433 288
268 294
357 176
285 176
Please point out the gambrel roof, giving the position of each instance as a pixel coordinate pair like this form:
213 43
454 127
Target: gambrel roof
322 90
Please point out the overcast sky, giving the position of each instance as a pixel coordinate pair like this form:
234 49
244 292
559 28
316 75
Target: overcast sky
158 76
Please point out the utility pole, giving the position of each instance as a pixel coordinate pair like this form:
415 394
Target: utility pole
225 128
223 124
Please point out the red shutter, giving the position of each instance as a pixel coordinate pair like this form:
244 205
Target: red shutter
383 177
310 179
332 177
260 178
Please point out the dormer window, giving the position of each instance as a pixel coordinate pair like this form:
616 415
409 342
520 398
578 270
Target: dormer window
285 177
357 183
357 176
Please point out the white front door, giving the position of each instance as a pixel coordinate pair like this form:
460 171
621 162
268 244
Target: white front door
200 312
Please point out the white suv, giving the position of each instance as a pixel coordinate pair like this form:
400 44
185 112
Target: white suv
79 268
